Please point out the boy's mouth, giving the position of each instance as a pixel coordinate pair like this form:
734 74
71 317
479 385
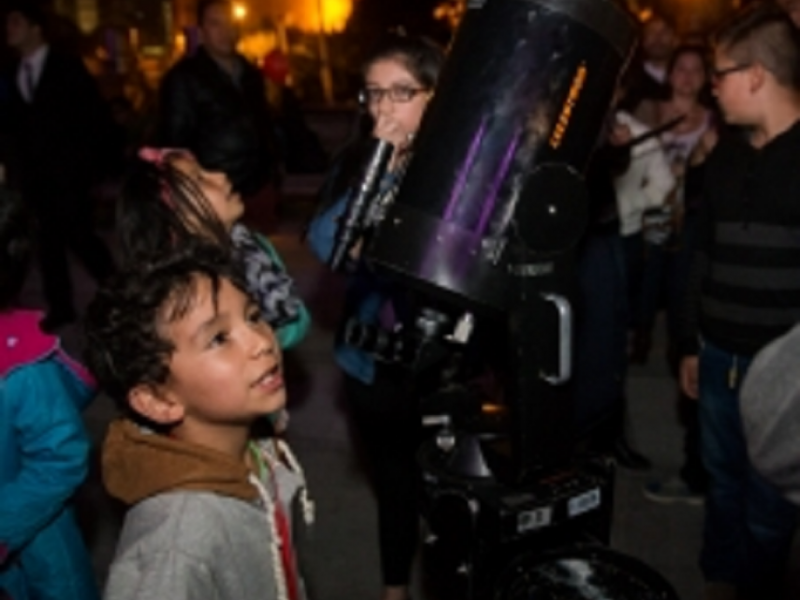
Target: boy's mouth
271 380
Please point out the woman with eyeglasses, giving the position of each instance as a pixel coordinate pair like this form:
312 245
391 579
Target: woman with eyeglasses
398 82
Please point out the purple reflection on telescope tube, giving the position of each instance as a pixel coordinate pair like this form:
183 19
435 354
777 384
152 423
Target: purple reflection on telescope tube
461 181
491 199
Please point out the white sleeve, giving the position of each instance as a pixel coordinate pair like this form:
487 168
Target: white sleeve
659 181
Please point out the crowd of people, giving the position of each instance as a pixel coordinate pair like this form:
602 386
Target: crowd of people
691 212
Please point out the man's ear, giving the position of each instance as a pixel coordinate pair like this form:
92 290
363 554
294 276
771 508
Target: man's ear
157 404
757 77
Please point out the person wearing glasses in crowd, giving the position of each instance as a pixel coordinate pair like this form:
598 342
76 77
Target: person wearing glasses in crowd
399 78
743 294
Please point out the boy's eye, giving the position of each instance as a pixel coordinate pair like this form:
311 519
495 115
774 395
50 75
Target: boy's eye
254 316
218 339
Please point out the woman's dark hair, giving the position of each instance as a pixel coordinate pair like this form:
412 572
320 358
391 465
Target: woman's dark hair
15 247
123 346
160 208
420 56
699 51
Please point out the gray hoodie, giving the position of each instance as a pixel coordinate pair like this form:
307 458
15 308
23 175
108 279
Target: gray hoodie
770 406
199 527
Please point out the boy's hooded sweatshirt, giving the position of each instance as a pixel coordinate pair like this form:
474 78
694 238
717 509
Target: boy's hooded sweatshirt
200 524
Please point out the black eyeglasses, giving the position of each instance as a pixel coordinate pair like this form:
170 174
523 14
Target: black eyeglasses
396 94
720 74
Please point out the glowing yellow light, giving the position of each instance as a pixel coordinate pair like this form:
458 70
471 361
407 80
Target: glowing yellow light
239 11
335 14
255 46
315 15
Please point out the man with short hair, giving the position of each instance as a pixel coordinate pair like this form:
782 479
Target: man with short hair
60 127
743 293
648 81
214 103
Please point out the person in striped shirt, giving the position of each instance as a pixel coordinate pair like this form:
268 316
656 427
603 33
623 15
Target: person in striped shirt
744 291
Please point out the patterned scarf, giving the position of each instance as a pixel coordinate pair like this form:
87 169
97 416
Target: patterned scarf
267 280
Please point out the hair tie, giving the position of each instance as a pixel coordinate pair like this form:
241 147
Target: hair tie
158 156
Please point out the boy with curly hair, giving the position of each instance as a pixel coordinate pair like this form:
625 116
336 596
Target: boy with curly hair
182 347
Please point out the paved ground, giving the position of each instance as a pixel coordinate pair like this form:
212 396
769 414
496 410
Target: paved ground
343 553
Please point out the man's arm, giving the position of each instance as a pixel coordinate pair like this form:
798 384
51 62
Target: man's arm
689 317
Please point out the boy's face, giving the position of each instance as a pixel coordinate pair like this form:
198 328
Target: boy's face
734 89
226 365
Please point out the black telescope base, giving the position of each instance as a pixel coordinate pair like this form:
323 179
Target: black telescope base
545 540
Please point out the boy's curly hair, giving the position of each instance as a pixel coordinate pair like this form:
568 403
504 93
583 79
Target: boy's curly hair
124 348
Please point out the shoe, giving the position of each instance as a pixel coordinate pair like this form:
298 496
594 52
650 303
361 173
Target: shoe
54 321
628 458
720 591
672 491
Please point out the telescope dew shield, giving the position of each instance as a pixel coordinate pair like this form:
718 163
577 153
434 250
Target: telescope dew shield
496 180
352 225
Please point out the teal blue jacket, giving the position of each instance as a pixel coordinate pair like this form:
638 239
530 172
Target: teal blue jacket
44 454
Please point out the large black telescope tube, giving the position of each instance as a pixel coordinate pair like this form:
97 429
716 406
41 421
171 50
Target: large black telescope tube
496 177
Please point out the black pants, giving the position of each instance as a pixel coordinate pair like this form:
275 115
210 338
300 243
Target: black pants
387 422
64 222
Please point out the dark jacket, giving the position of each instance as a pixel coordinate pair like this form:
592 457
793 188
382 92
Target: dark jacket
742 292
641 86
223 120
61 138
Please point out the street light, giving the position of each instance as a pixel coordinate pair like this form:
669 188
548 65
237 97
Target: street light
239 11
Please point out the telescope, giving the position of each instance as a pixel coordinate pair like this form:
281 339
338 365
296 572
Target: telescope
483 231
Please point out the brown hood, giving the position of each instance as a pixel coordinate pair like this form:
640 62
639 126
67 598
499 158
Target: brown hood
138 464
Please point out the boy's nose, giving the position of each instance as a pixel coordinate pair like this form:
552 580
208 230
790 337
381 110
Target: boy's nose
263 341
